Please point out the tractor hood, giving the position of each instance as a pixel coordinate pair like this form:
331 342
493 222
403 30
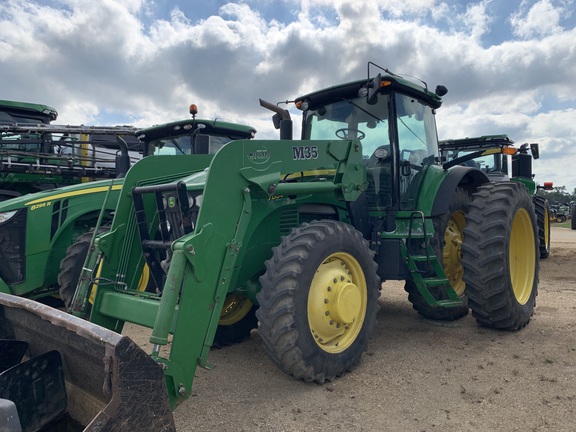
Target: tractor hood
46 197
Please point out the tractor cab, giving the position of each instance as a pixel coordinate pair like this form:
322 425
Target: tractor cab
395 125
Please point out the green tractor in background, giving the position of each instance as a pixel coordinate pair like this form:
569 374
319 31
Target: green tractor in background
45 236
305 231
497 157
36 155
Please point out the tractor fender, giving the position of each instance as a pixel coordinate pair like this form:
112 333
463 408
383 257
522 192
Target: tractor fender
468 178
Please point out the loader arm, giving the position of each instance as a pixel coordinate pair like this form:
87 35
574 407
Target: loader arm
203 261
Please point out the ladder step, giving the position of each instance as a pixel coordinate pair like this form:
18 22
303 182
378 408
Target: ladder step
423 258
449 303
435 281
419 258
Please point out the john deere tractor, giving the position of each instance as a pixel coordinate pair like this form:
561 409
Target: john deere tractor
44 236
501 161
305 231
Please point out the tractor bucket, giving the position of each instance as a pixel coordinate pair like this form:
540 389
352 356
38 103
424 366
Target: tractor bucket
65 373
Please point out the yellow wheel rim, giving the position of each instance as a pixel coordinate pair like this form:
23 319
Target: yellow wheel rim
452 252
522 256
144 278
337 302
142 282
546 228
235 308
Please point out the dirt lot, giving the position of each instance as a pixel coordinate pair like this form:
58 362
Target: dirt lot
417 375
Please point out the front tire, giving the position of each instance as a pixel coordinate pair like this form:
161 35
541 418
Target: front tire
236 322
500 256
71 266
318 301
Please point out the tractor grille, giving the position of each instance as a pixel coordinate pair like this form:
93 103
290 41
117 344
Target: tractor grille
59 214
288 220
13 249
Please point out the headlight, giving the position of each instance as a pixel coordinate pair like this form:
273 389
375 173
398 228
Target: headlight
199 200
191 201
6 216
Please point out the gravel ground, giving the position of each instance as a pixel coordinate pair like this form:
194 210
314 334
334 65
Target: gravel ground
417 375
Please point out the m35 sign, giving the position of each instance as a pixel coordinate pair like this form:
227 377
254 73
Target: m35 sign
304 152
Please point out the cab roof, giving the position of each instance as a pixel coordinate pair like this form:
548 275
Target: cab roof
24 109
188 125
350 90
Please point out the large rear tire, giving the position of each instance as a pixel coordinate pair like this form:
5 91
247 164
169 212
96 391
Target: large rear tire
543 221
447 245
500 256
318 301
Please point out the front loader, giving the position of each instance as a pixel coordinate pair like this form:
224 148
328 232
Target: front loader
305 232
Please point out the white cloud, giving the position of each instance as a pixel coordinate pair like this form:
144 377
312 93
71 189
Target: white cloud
94 60
540 19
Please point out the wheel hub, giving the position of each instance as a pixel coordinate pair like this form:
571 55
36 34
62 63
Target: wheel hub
234 309
345 302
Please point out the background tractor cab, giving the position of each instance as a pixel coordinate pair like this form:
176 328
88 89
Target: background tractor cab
191 136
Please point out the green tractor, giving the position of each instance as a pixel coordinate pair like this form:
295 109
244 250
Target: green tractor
501 161
304 231
45 236
36 155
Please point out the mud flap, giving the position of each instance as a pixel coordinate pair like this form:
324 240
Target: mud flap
110 383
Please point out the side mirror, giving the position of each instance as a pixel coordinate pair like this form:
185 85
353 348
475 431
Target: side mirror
534 150
374 87
202 144
405 169
122 158
441 90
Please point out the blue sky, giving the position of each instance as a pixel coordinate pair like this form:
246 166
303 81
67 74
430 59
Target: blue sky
509 65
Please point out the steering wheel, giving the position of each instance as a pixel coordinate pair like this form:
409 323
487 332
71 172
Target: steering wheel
344 133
